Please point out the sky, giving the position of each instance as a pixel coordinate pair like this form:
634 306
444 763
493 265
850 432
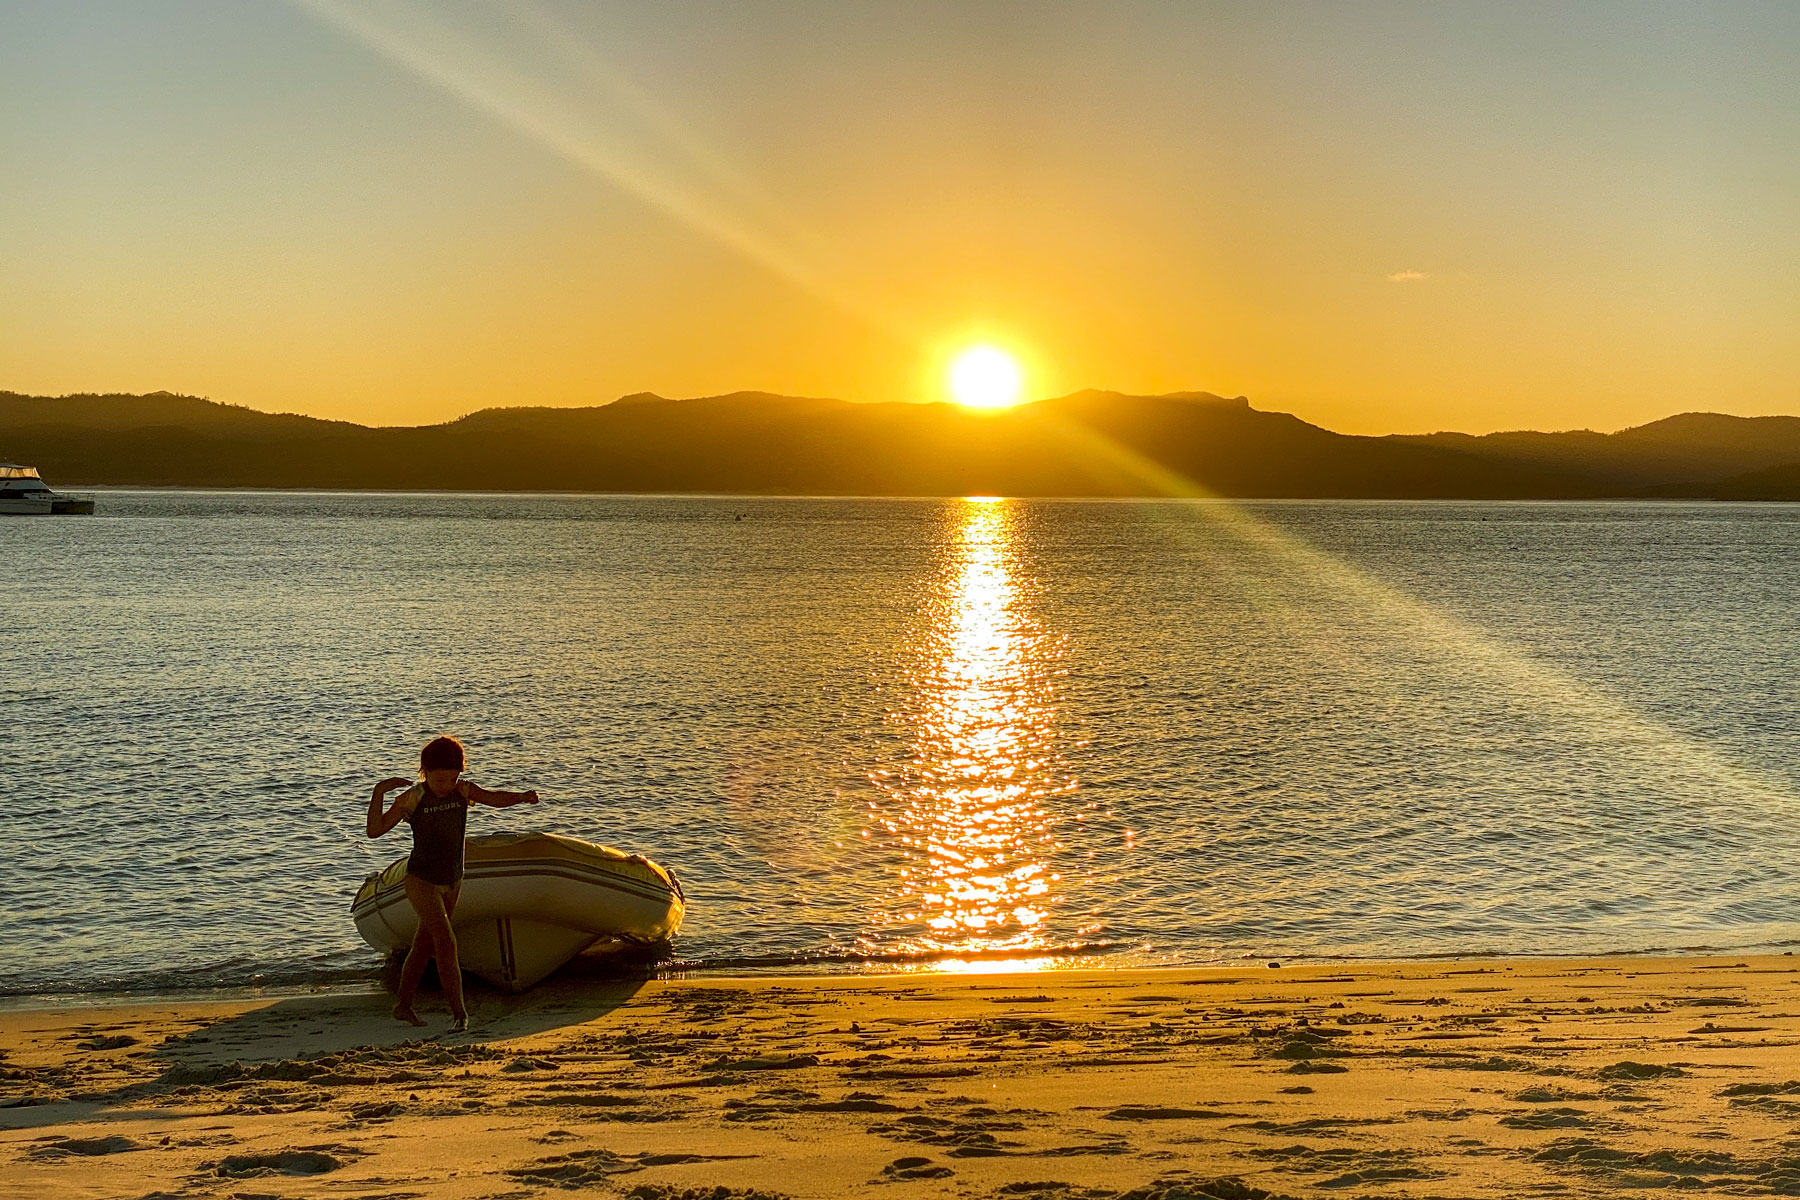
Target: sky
1382 217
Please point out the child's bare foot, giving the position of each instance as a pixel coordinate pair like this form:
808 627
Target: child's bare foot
460 1025
404 1013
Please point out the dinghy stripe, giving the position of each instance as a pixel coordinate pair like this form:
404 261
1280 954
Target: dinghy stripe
580 872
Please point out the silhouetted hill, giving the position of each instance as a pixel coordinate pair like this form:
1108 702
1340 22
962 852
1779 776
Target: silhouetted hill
1690 448
1090 443
1771 483
120 412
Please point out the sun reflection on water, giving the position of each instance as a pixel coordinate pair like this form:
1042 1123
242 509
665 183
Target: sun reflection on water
965 809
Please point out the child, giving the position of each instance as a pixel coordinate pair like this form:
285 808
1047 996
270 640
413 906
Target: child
437 810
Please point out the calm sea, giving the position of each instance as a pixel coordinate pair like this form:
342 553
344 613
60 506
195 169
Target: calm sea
909 734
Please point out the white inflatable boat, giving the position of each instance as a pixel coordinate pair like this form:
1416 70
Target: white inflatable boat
529 903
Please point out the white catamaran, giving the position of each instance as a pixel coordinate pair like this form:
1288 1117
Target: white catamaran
23 493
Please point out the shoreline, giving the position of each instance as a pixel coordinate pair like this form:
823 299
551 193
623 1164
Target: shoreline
373 983
565 978
1464 1077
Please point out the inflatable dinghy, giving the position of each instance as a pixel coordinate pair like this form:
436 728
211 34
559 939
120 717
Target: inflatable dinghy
529 903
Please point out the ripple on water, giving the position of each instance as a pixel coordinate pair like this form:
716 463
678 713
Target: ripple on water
905 732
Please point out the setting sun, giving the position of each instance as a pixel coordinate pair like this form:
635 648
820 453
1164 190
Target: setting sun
986 377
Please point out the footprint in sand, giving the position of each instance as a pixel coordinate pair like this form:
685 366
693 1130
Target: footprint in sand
65 1147
1380 1175
1317 1068
1183 1187
1314 1126
1638 1070
376 1110
662 1191
588 1168
311 1160
1159 1112
915 1167
1552 1095
1548 1118
968 1137
1643 1170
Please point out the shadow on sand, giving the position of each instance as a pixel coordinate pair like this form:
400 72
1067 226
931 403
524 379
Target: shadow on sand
190 1057
311 1026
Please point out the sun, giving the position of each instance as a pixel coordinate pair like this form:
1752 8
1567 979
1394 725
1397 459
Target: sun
986 377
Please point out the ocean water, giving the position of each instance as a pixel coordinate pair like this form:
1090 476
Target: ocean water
875 734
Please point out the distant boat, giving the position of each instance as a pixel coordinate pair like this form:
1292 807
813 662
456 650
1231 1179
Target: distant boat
530 902
24 493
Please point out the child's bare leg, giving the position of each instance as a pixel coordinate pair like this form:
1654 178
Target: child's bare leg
412 971
430 941
450 962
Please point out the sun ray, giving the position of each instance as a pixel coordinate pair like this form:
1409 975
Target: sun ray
657 117
594 133
1547 687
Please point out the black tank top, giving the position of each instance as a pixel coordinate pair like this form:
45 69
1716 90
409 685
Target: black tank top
437 824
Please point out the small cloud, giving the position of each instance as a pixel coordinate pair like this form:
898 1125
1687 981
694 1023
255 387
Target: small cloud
1408 276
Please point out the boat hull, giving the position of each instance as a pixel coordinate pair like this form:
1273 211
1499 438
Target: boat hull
39 504
529 903
26 506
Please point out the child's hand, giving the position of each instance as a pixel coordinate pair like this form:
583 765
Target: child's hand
392 782
529 798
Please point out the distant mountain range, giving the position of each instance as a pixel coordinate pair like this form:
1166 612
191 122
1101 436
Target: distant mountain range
1090 443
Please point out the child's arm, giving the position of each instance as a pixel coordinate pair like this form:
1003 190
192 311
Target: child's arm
480 795
380 822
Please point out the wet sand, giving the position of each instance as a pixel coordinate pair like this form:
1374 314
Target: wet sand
1471 1079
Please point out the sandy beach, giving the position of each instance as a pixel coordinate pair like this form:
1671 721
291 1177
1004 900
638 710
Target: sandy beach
1497 1078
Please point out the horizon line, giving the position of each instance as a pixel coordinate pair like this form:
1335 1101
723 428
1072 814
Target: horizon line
656 397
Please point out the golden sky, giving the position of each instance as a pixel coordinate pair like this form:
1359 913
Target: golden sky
1382 217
